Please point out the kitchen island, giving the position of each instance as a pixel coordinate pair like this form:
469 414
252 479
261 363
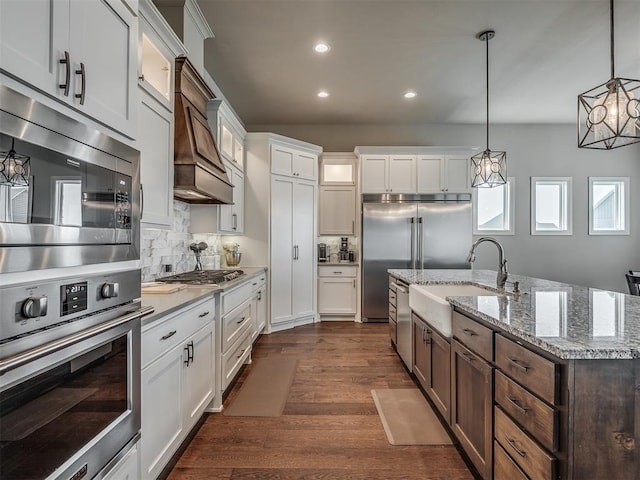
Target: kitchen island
540 384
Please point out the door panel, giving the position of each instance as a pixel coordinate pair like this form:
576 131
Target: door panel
281 249
386 243
446 234
304 198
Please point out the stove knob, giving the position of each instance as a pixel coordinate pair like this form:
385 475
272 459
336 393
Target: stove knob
35 307
109 290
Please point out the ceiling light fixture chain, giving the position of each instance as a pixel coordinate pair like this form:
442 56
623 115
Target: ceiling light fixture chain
489 169
609 114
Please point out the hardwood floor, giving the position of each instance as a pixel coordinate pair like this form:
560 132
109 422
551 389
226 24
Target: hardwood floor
330 428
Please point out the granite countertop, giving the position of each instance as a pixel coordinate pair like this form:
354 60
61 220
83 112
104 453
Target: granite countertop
164 304
567 321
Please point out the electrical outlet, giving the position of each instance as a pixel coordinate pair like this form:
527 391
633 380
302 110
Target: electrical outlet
167 268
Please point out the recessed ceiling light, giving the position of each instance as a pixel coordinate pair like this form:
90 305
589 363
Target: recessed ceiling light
322 47
410 94
323 94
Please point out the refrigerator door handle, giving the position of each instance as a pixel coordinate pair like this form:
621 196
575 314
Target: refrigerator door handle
412 221
419 228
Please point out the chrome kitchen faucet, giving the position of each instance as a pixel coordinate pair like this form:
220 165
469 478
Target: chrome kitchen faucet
501 280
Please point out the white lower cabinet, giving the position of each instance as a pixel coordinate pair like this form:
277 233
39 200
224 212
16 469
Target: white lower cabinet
259 305
337 290
177 381
127 468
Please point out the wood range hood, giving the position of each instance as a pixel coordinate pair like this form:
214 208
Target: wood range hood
199 174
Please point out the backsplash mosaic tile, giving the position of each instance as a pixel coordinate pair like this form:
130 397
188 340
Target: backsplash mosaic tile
160 247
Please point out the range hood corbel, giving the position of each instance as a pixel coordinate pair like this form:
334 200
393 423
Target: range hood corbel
199 174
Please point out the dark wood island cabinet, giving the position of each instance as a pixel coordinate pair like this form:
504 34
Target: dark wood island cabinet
533 393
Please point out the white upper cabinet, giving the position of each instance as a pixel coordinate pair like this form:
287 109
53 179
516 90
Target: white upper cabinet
82 53
337 210
391 170
388 173
230 139
293 163
229 132
158 47
444 173
338 168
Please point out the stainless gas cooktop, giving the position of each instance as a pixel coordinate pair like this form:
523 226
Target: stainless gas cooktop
203 277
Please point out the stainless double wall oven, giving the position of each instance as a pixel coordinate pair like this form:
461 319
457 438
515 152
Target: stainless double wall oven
69 341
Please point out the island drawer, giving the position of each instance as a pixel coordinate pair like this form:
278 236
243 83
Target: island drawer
504 468
529 456
475 336
393 312
392 297
535 416
536 373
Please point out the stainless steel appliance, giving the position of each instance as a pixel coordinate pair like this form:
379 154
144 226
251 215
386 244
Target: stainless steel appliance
78 203
69 375
404 329
323 252
203 277
344 249
410 231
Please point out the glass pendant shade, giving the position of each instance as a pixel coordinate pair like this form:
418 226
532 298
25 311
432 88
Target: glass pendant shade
489 169
14 168
609 115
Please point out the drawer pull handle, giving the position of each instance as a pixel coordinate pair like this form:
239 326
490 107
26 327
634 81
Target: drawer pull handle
516 403
67 74
168 335
337 273
469 332
203 314
241 320
513 445
468 357
254 283
241 353
518 365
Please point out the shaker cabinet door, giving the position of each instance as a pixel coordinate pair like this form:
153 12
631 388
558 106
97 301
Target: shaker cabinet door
34 36
282 249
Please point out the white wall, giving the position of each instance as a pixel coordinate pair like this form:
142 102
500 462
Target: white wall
532 150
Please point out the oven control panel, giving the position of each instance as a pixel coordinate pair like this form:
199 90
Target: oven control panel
39 306
73 298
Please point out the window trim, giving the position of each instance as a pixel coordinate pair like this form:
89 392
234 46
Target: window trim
568 198
510 205
625 199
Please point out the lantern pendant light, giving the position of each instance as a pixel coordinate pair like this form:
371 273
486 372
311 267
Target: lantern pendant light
609 114
489 169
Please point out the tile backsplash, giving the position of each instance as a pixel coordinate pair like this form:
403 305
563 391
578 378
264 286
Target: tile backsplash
160 247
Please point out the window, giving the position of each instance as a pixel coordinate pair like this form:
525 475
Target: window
551 206
493 209
608 205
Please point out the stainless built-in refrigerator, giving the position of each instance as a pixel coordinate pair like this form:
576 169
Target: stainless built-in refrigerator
410 231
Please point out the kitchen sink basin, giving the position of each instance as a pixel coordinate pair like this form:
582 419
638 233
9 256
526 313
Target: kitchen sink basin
429 302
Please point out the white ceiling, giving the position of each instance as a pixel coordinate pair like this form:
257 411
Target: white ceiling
544 54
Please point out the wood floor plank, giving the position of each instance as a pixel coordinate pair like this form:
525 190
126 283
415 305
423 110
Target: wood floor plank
330 429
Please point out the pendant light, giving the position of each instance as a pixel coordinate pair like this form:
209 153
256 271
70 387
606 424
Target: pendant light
489 168
609 114
15 168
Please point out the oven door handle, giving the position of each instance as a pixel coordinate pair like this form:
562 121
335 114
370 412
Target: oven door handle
22 358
